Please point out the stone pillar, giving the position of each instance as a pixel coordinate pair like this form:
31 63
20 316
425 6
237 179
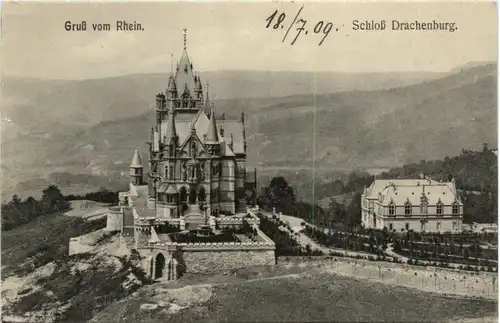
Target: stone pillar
211 222
153 268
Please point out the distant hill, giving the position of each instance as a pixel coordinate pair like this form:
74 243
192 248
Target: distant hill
37 106
353 128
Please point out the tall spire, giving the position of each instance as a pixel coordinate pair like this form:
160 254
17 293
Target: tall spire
185 38
207 103
212 135
171 64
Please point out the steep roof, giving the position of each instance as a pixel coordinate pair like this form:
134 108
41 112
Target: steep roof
136 160
184 76
212 136
183 123
401 191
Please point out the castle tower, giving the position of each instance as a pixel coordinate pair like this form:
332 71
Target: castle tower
136 169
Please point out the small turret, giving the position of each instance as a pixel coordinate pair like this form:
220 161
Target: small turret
211 139
198 90
207 104
160 107
136 169
172 88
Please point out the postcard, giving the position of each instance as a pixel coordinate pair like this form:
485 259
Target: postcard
249 161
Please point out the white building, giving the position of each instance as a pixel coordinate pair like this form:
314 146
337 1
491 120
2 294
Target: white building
412 204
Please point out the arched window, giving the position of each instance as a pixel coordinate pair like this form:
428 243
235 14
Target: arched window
392 208
455 208
439 208
407 208
193 149
171 172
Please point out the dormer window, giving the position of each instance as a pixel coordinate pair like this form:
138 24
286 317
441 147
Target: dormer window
185 69
439 208
408 208
455 208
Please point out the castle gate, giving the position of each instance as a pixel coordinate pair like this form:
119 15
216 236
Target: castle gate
164 268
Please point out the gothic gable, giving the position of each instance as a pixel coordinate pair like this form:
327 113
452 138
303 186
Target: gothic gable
193 147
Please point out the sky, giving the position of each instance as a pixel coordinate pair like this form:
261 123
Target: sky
233 36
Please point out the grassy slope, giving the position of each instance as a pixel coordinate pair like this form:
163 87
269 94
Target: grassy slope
78 287
312 297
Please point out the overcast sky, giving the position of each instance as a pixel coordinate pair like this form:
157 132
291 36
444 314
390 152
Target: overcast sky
233 36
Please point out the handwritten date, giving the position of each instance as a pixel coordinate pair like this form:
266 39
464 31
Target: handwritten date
276 21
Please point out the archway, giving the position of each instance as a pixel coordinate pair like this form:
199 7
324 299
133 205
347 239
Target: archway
202 195
192 195
159 265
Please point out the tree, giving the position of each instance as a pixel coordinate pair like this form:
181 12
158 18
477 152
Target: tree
53 200
354 211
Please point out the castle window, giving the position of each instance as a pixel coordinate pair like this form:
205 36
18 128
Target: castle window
171 172
171 148
193 149
439 208
392 209
438 226
408 208
455 208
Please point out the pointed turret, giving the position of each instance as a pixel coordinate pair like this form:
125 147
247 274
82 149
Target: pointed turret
212 137
198 89
184 73
136 169
171 135
136 160
172 88
207 103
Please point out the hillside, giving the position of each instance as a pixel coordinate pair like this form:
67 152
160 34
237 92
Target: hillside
352 129
41 104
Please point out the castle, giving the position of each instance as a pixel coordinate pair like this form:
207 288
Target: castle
192 205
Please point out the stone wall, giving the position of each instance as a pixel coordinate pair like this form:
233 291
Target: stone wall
114 219
219 261
78 245
429 279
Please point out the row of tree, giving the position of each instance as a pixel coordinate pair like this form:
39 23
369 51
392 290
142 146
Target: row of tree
281 196
17 211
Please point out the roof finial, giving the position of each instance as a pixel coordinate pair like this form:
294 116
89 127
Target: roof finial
185 37
171 63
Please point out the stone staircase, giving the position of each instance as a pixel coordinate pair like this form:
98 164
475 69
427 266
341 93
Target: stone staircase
194 217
